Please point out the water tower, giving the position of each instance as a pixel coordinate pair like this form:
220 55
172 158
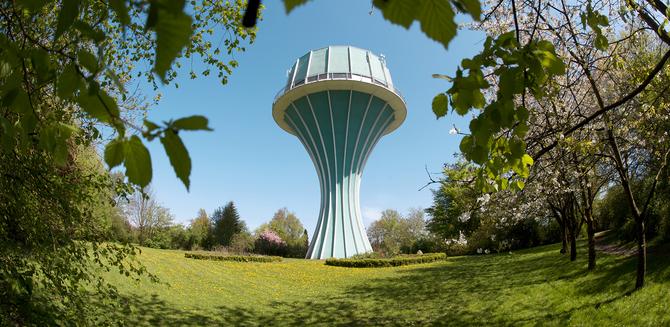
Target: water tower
339 101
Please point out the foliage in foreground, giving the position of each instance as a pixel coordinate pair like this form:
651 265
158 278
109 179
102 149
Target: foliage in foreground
387 262
64 69
228 257
53 224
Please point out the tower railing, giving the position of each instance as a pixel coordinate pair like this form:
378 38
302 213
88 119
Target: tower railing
336 76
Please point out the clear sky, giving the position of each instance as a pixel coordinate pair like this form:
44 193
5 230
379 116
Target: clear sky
248 159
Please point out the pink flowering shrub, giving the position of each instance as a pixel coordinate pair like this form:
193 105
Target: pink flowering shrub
269 243
271 237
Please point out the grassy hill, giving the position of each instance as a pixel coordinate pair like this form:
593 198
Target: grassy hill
532 287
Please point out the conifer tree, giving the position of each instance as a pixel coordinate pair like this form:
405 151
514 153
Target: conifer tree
226 223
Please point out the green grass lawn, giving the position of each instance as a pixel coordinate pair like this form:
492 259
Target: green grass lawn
532 287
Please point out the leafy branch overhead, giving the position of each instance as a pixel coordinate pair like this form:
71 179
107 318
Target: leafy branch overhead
517 69
86 52
436 17
136 158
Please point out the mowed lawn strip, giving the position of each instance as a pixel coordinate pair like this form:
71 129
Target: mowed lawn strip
531 287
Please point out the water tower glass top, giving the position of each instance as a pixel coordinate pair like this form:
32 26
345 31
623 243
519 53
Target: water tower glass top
339 101
339 63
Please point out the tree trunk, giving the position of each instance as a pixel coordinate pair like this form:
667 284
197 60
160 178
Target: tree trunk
641 254
590 230
573 245
564 237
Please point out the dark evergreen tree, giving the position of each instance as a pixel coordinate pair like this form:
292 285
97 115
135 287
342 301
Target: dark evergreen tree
226 223
306 237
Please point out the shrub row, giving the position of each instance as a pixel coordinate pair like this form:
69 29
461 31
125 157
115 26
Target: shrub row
386 262
226 257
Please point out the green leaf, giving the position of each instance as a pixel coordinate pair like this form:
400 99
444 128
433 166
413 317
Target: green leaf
33 5
67 15
152 16
503 183
192 123
289 5
479 154
179 158
527 160
440 105
473 7
601 42
521 129
89 31
114 152
88 60
466 144
41 61
54 139
595 20
68 82
99 106
20 103
436 17
511 81
173 33
400 12
7 135
437 21
151 126
119 7
137 162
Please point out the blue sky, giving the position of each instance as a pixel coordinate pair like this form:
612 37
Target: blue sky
248 159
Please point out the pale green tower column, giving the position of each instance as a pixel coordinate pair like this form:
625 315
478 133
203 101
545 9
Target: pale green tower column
339 101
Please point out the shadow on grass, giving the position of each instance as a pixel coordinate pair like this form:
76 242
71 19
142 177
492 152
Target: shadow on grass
465 291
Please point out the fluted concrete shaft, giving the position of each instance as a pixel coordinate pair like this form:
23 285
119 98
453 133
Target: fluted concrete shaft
339 129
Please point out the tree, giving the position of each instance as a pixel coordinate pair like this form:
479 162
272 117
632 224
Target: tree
416 223
242 242
227 223
145 214
289 228
305 238
53 237
595 90
392 234
287 225
455 206
201 230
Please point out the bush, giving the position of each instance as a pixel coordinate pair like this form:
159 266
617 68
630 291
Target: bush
368 255
159 241
269 243
236 258
242 243
386 262
429 244
457 249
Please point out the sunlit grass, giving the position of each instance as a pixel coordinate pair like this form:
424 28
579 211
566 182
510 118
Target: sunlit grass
533 287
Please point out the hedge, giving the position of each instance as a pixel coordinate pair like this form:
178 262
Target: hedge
237 258
386 262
